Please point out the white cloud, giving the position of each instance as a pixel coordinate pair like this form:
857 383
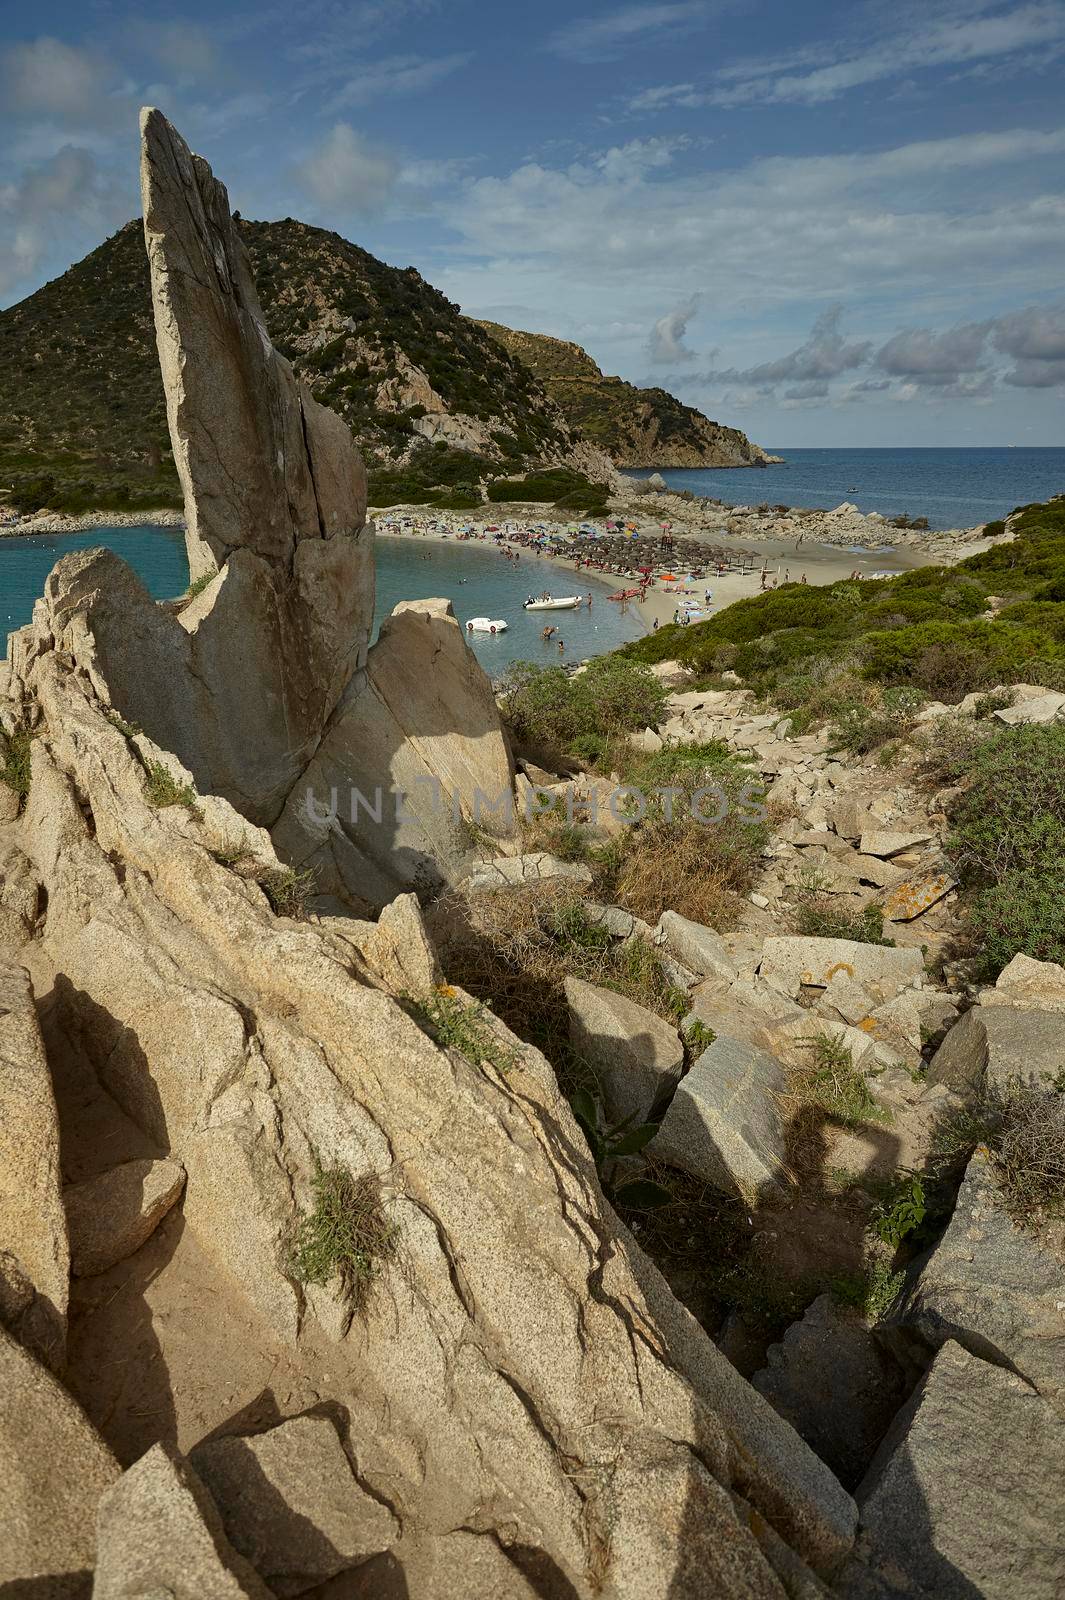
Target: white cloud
935 359
395 75
346 176
954 35
666 344
47 78
606 37
68 193
825 354
1035 339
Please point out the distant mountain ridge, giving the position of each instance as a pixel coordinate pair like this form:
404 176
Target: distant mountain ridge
636 427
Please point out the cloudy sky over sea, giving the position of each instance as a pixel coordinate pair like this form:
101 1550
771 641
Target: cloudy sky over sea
829 224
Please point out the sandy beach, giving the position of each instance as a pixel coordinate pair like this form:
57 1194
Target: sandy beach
820 564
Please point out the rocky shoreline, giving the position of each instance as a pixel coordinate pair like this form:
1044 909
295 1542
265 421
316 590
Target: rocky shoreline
844 526
68 522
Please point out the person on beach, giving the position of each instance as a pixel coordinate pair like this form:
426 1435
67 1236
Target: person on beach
654 626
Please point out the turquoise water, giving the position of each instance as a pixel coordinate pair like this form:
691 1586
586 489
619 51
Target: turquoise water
476 578
952 488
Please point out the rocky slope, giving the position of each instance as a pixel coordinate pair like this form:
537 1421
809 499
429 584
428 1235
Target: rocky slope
82 418
312 1280
374 1317
636 427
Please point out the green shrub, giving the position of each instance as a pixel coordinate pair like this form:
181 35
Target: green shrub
1008 843
466 1027
822 916
862 725
612 696
1012 814
288 891
902 1211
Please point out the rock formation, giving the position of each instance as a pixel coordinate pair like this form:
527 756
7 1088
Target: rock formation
513 1386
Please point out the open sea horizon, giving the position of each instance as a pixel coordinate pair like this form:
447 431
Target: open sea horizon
953 488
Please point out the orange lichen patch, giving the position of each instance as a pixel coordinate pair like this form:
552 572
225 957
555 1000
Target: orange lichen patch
840 966
867 1024
909 899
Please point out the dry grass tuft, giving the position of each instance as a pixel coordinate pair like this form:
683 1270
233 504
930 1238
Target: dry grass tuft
346 1237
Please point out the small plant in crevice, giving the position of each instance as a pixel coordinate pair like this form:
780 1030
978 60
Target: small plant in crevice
199 584
161 789
821 916
871 1290
288 891
128 730
465 1026
16 768
902 1211
347 1236
830 1080
697 1037
1022 1128
610 1145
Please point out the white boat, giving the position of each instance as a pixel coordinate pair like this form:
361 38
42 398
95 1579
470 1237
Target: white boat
566 603
486 625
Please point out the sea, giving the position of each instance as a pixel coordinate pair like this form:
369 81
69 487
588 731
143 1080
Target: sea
476 578
952 488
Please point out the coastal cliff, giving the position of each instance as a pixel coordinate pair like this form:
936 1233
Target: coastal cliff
636 427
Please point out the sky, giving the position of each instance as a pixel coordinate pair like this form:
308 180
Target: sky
826 224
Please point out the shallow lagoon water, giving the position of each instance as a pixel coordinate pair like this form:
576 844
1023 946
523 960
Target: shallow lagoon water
475 577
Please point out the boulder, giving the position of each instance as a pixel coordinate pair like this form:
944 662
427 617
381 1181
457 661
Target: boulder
34 1258
508 872
1046 707
749 1011
1031 985
111 1215
634 1054
885 844
963 1498
913 896
697 947
725 1125
835 1384
851 816
989 1285
996 1044
791 962
290 1503
53 1469
881 874
251 1043
412 760
275 508
158 1533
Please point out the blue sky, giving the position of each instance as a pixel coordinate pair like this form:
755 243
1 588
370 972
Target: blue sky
827 224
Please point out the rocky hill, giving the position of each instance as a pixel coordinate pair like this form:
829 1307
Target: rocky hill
636 427
82 420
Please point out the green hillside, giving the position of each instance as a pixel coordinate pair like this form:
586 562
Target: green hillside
82 419
636 427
